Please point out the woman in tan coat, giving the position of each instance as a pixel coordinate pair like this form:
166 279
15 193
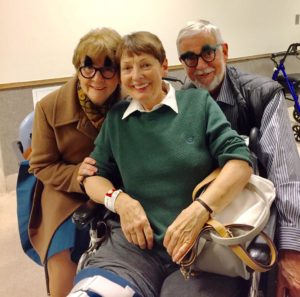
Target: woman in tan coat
66 123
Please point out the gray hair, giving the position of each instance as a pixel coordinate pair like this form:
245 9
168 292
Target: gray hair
196 27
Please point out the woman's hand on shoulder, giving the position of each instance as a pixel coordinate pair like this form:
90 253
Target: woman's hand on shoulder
134 222
183 232
87 168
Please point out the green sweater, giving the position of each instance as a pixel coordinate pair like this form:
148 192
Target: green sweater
161 156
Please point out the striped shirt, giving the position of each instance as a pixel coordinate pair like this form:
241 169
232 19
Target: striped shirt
278 152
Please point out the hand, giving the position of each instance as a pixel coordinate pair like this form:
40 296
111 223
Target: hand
87 168
134 222
288 274
183 232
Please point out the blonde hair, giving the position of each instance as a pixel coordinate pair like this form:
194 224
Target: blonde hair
142 42
95 43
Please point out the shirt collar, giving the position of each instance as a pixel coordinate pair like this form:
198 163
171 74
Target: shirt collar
169 100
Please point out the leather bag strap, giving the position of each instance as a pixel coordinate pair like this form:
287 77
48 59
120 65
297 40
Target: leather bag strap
211 177
240 251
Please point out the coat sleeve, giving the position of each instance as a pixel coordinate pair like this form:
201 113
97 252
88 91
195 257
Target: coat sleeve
46 161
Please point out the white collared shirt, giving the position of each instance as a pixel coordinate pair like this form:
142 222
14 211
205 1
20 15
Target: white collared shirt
169 100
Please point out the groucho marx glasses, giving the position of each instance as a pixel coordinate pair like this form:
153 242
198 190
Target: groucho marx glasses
208 54
107 72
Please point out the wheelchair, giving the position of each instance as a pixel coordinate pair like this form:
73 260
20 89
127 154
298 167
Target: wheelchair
290 82
94 215
22 146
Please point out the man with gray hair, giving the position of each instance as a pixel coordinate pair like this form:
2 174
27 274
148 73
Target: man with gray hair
252 101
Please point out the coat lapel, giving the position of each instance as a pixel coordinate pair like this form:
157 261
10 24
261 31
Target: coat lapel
67 102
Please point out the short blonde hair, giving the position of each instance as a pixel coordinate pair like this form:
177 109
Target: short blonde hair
95 43
142 42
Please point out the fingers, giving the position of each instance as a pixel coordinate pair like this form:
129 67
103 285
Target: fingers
140 236
87 168
149 236
177 244
89 160
135 224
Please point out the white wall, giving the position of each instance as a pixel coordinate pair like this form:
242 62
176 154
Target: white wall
37 37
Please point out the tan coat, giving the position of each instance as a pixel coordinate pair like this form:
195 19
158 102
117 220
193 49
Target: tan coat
62 137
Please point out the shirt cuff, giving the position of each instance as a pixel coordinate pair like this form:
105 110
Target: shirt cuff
289 238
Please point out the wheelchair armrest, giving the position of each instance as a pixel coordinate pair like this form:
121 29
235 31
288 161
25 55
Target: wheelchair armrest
258 249
86 213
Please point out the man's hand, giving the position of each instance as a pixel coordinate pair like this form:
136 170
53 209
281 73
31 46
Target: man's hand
288 274
87 168
134 222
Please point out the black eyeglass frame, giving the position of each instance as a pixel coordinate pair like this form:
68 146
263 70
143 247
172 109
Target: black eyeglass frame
101 70
205 49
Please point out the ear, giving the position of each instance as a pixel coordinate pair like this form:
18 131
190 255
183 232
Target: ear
225 51
164 68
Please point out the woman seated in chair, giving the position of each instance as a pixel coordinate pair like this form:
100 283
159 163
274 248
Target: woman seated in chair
151 152
65 126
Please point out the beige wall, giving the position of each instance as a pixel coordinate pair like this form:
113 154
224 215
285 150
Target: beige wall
38 36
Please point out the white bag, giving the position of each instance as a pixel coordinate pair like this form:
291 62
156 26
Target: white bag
221 246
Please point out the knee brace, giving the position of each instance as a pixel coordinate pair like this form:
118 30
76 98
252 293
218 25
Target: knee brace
97 282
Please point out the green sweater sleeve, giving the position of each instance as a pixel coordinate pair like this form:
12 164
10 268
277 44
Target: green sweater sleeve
224 143
104 158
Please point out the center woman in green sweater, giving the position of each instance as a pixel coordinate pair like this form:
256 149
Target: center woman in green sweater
153 149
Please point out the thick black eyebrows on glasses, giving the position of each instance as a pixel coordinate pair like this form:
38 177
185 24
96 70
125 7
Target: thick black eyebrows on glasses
187 54
88 61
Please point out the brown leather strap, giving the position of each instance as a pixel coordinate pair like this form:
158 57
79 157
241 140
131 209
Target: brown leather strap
241 252
205 182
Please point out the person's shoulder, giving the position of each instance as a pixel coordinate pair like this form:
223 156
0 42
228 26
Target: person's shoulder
247 77
119 108
60 94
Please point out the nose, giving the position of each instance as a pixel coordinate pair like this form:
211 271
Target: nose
136 73
98 76
201 63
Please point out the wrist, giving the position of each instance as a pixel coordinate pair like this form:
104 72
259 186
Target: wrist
208 209
110 199
202 212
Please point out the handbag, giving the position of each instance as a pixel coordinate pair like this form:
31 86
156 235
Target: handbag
26 184
221 246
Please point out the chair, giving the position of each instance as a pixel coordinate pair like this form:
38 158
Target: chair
22 146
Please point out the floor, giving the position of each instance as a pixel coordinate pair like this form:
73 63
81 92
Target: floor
19 276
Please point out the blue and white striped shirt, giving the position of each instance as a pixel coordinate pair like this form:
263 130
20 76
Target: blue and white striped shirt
278 152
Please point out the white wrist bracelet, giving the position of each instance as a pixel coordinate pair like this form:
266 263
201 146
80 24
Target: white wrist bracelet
110 199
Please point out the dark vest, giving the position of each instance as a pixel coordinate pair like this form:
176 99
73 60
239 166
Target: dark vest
252 94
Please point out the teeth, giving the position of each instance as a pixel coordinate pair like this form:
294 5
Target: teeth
141 86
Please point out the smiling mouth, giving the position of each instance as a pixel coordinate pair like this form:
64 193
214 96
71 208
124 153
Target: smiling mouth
98 88
140 87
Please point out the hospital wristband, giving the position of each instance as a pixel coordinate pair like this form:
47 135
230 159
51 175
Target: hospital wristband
110 199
